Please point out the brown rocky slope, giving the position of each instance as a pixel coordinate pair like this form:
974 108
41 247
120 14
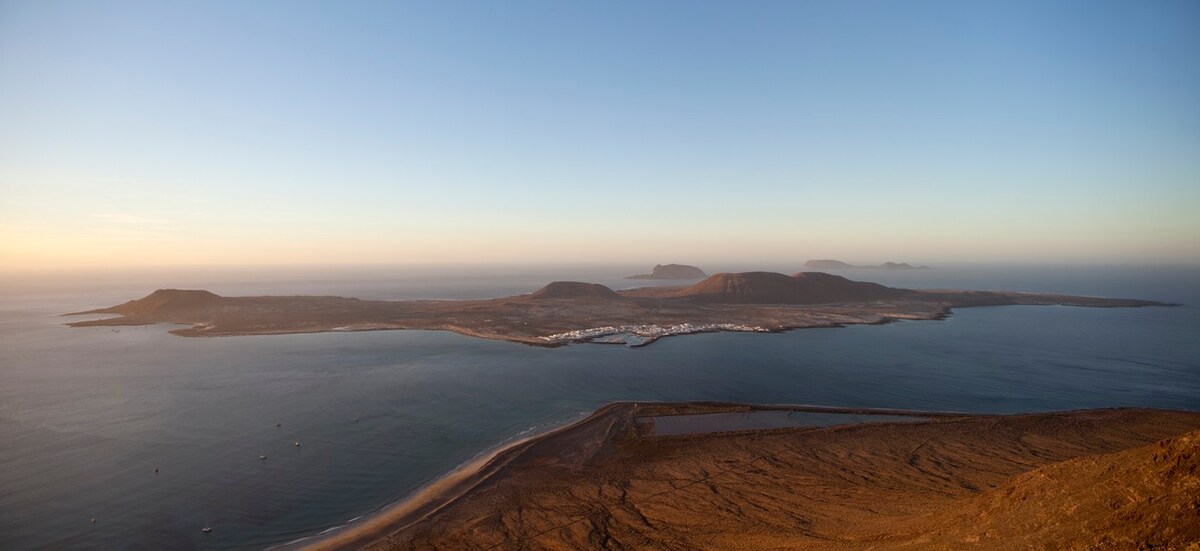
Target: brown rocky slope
1078 480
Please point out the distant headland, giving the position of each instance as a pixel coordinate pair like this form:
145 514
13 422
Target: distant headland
565 312
829 264
672 271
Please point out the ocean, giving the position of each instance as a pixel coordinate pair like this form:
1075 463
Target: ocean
87 415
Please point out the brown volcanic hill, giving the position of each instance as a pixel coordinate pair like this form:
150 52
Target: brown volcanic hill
165 301
672 271
1142 498
574 289
776 288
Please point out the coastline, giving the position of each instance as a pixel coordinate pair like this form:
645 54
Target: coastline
563 313
960 459
461 481
431 498
595 334
1116 370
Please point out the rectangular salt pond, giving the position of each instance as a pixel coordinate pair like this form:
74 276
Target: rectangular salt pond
703 423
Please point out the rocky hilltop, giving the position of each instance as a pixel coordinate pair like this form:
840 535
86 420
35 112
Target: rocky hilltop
672 271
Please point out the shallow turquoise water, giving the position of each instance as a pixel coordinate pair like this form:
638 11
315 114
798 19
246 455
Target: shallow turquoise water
86 415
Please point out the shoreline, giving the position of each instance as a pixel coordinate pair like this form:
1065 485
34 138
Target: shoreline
427 500
563 313
457 484
604 478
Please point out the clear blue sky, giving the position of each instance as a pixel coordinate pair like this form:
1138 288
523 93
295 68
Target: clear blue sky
281 132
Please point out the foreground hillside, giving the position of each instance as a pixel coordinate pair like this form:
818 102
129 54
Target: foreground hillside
1109 479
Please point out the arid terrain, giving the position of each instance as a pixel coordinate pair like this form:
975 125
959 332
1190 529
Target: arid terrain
564 312
1098 479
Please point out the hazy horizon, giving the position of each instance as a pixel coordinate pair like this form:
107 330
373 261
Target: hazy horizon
859 267
282 133
306 274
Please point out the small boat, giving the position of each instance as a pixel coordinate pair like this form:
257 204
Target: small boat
262 456
206 528
297 443
277 425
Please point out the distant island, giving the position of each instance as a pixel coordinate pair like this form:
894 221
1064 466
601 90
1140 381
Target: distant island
566 312
813 478
672 271
828 264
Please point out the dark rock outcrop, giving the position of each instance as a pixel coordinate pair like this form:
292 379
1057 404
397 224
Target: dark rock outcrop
672 271
828 264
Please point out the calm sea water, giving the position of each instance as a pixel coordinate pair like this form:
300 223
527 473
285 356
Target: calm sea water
87 415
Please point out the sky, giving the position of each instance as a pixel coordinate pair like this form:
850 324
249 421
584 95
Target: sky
243 133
